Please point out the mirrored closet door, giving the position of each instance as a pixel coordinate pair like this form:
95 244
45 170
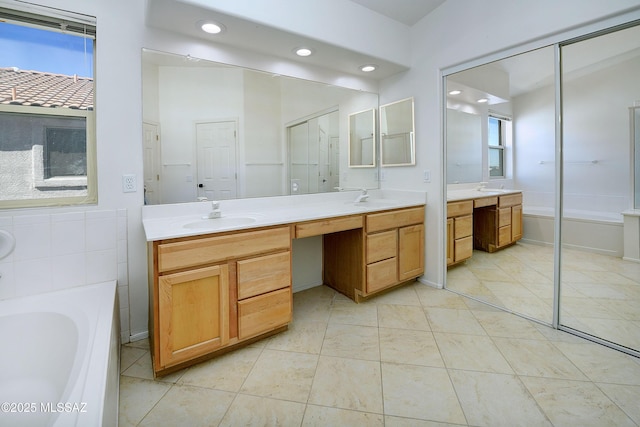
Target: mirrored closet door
500 146
600 274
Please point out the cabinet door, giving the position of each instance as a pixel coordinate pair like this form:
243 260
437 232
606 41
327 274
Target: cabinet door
516 223
450 248
193 313
410 252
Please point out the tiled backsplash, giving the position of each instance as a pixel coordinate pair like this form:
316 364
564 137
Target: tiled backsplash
64 250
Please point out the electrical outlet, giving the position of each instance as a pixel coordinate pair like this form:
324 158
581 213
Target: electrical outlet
129 184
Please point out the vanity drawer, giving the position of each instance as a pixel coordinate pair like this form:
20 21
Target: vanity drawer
510 200
504 217
326 226
382 246
504 235
459 208
263 274
207 250
381 274
394 219
462 226
485 201
264 313
462 248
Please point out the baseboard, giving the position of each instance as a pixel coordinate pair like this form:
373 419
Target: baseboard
424 281
139 336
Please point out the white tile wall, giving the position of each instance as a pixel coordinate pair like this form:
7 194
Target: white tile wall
64 250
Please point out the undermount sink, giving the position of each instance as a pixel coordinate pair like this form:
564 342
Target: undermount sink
218 223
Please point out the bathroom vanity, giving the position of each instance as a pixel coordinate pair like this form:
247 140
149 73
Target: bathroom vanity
218 285
486 220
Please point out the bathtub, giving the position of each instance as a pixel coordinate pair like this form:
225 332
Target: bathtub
59 362
592 231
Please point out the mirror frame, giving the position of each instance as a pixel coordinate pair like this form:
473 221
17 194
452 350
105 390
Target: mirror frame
352 125
411 134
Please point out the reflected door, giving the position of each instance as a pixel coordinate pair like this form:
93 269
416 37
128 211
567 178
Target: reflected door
151 141
216 150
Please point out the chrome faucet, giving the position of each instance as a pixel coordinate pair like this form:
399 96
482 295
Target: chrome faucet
216 212
362 197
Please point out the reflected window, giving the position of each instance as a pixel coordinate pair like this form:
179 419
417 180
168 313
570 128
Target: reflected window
498 132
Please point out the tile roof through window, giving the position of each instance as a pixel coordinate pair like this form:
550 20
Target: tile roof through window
41 89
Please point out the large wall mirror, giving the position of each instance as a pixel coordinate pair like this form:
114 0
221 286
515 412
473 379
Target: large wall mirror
362 139
219 131
397 134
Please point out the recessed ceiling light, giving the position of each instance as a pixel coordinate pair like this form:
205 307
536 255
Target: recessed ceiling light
455 92
482 100
368 68
303 51
211 27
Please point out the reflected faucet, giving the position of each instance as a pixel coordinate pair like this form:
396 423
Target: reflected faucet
215 213
362 197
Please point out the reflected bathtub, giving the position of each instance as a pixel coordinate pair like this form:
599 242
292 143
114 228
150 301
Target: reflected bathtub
59 358
591 231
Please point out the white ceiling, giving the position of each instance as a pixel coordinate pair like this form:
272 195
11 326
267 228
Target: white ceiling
407 12
181 16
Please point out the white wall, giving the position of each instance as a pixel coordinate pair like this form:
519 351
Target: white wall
460 32
119 129
592 131
445 38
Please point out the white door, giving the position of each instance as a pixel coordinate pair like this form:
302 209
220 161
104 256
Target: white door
151 166
216 160
324 166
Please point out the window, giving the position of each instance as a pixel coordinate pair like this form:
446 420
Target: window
47 115
499 134
65 152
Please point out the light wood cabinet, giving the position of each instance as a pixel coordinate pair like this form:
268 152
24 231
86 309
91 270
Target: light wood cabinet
389 251
487 223
214 292
459 231
500 225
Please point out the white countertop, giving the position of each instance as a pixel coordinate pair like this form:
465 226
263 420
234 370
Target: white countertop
466 194
186 219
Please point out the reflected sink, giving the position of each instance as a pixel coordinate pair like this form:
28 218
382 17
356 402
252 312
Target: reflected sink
373 203
218 223
492 190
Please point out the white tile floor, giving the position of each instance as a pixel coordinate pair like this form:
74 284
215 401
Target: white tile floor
600 294
416 356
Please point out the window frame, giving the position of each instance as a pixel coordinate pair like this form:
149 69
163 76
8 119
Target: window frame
83 26
503 142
